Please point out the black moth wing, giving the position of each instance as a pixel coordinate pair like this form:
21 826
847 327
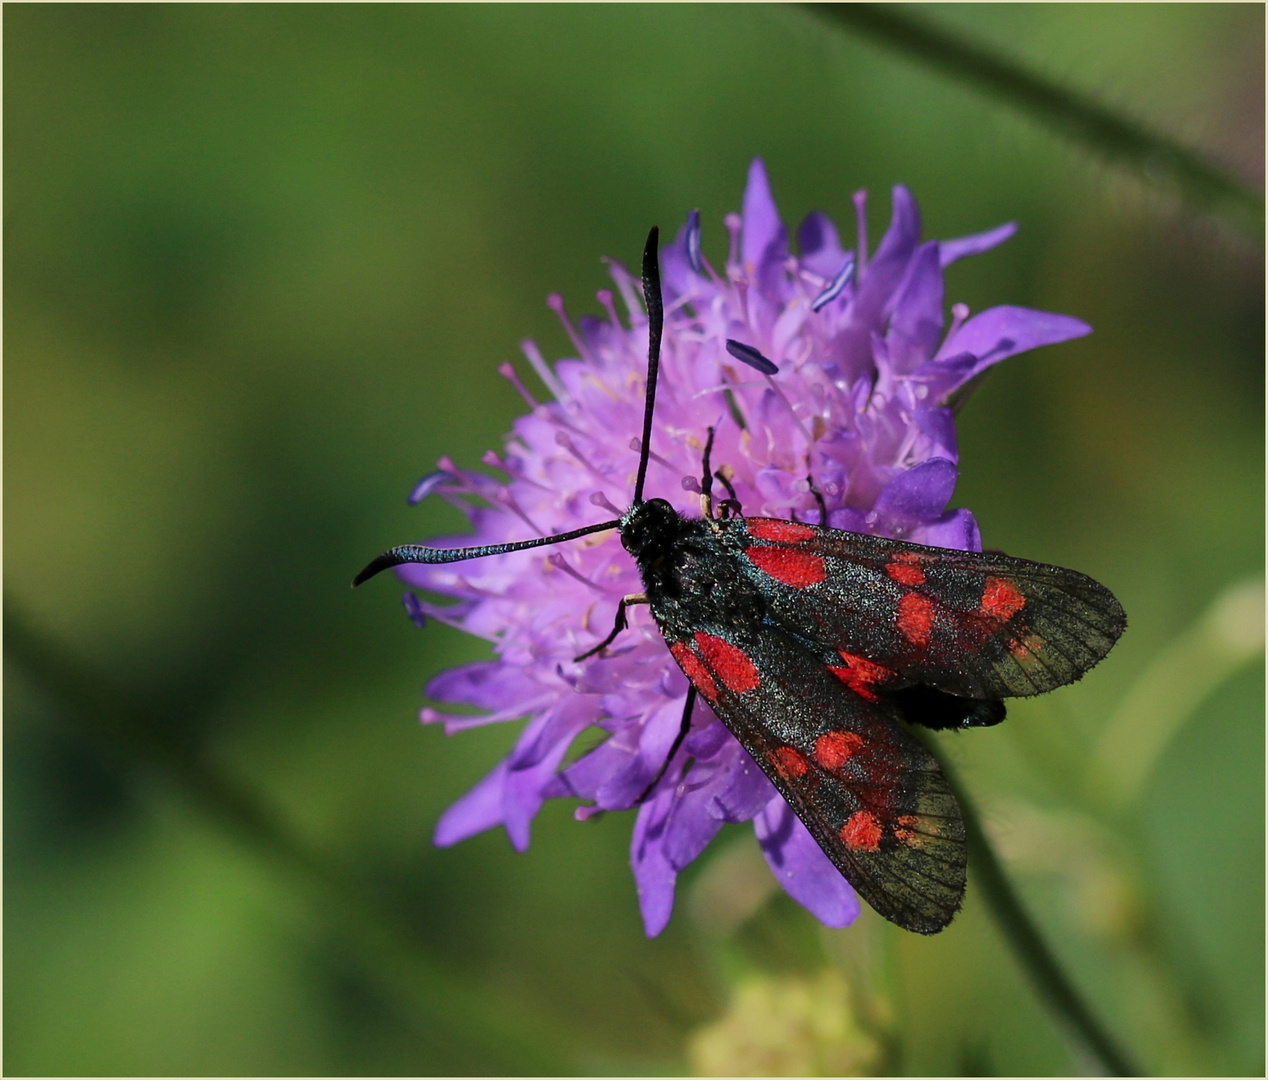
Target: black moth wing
972 624
871 795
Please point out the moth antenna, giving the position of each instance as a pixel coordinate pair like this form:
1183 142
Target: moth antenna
655 326
415 553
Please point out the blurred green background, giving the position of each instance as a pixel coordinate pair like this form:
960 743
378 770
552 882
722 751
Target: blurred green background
261 263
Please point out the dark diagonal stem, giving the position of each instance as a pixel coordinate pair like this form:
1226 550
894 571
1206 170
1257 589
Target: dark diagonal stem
1028 944
1077 115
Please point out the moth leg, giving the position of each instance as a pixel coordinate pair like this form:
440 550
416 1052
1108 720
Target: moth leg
626 601
823 507
683 728
731 503
706 481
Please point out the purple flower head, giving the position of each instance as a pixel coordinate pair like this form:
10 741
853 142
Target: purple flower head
834 365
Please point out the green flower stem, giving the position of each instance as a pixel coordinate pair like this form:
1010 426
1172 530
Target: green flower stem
438 1000
1028 944
1074 114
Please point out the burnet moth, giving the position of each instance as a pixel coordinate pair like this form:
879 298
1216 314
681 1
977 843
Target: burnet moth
815 645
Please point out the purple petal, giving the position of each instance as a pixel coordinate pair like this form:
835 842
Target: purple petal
617 772
848 518
874 286
957 529
944 375
916 496
938 427
762 227
523 790
489 684
479 809
596 334
586 776
690 826
950 250
708 741
561 724
654 878
742 792
455 722
801 867
621 788
677 275
916 327
1000 332
889 264
414 609
820 246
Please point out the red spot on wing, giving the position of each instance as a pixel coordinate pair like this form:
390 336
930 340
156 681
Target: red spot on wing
694 669
737 672
786 532
788 762
905 569
789 565
1000 600
835 748
862 832
915 618
908 835
1028 647
860 674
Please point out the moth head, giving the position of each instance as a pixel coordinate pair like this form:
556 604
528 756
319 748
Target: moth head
649 526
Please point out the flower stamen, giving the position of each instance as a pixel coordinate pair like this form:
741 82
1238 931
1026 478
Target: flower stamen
556 304
860 217
509 374
835 287
694 258
529 347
